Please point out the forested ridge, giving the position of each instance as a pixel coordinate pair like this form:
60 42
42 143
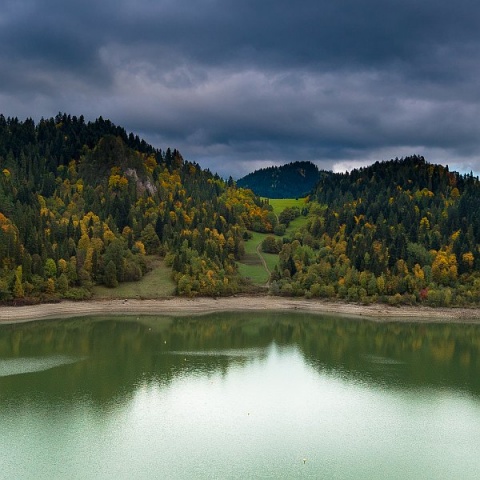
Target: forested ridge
85 203
402 231
295 179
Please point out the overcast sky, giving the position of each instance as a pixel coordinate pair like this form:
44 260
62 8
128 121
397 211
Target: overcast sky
241 84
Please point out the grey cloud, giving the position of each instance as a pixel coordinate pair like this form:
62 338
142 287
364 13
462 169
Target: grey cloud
231 82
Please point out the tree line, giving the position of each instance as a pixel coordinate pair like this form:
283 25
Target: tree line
85 203
402 231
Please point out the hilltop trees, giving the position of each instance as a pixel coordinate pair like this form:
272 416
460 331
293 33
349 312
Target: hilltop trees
293 180
85 203
404 231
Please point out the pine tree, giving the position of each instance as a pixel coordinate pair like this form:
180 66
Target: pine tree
110 277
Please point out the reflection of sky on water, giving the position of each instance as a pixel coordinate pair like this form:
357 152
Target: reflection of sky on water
267 415
242 353
213 362
224 403
19 366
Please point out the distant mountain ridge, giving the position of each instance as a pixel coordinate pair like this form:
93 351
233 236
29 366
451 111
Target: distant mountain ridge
293 180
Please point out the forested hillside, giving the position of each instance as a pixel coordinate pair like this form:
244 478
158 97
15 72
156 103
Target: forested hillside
86 203
293 180
405 231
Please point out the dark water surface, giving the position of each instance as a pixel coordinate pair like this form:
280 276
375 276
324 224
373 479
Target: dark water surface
239 396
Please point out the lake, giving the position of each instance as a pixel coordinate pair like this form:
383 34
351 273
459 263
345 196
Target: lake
267 395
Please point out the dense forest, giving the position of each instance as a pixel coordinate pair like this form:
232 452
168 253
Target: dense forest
293 180
402 231
86 203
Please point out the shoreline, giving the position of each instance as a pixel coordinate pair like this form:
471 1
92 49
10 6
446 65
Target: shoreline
179 306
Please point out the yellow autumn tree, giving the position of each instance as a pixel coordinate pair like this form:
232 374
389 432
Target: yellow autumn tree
444 267
468 259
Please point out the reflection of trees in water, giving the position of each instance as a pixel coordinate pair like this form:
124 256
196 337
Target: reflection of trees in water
400 354
118 355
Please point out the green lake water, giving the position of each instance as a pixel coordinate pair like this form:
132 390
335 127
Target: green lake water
239 396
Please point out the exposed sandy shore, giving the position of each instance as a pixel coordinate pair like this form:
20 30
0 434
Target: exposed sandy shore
183 306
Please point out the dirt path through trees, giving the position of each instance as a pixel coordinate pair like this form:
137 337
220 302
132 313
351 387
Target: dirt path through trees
264 263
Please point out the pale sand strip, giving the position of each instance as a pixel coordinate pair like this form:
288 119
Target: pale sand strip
183 306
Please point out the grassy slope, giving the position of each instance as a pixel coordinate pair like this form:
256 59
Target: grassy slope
251 265
155 284
255 272
280 204
158 283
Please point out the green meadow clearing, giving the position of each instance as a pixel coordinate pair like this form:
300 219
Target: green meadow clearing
252 265
157 283
255 265
280 204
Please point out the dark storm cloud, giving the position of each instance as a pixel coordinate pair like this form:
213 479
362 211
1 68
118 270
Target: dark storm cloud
240 84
